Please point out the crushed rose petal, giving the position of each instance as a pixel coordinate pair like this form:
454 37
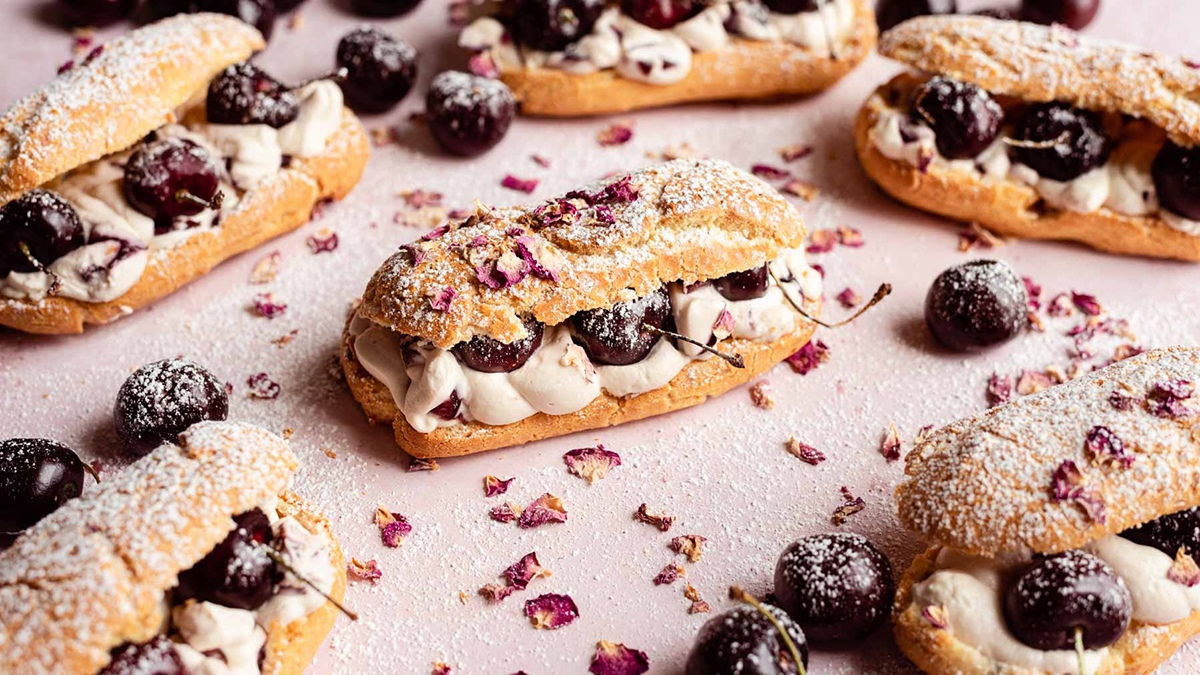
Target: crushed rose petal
544 509
804 452
444 299
768 172
1069 484
418 464
809 357
418 198
999 389
849 236
1106 446
1184 570
493 486
267 269
794 152
436 233
497 592
849 507
1086 303
924 434
936 615
617 133
505 513
520 184
762 395
849 298
591 464
669 575
440 668
603 215
262 386
325 241
690 545
525 570
265 306
393 527
1060 305
481 64
724 326
802 189
551 611
617 659
542 261
1034 292
1168 399
1032 382
662 522
822 241
1121 401
975 236
890 447
540 161
364 571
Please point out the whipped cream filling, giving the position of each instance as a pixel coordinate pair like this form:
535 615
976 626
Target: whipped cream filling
120 239
1122 185
971 590
660 57
212 639
559 378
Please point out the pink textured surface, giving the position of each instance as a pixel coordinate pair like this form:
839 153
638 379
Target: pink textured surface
721 469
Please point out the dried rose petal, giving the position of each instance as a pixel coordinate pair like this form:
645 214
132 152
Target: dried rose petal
724 326
603 215
440 668
848 298
591 464
1060 305
497 592
545 509
325 241
418 464
616 134
1123 352
936 615
557 212
267 269
924 434
506 271
1167 399
762 395
768 172
617 659
1107 446
493 486
999 389
805 453
442 301
975 236
822 241
1034 292
690 545
669 575
417 252
520 184
505 513
520 573
620 192
890 447
266 306
364 571
662 522
542 260
1069 484
436 233
551 611
848 236
1184 570
1121 401
924 158
540 161
700 606
792 153
418 198
262 386
1086 303
393 527
849 507
481 64
1032 382
809 357
802 189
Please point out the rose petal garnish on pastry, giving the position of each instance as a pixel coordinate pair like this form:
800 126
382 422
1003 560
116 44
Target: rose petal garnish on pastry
195 557
1063 529
1037 132
142 167
588 57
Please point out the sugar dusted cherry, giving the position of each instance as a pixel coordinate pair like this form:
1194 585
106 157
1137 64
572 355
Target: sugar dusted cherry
746 285
380 69
615 335
1075 14
661 14
258 13
1074 140
156 657
1058 595
244 94
551 25
237 573
36 477
489 355
888 13
1176 174
1170 533
965 118
468 115
160 400
976 305
743 641
40 225
171 177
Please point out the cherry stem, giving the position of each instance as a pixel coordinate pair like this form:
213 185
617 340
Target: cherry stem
91 470
37 264
1079 648
335 76
737 593
214 203
1038 145
734 360
833 55
882 292
278 560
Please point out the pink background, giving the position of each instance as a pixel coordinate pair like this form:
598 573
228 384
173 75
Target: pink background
720 468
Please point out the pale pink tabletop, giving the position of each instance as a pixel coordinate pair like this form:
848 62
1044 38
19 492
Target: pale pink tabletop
721 468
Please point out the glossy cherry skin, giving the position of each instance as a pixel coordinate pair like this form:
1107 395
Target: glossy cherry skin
383 7
1000 13
1176 174
156 657
1074 14
615 336
40 224
244 94
162 177
888 13
488 355
36 477
551 25
976 305
380 69
161 400
742 641
1079 141
835 586
237 573
965 118
97 13
661 14
1170 533
1060 594
258 13
746 285
792 6
469 115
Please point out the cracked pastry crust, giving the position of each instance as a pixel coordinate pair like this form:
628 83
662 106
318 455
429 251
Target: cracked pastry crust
1006 206
982 485
91 575
1142 649
745 69
163 67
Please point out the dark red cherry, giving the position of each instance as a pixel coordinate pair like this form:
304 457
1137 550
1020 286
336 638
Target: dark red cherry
237 573
1075 140
96 13
743 285
835 586
160 400
282 6
1170 533
380 69
36 477
888 13
162 8
488 355
1000 13
468 115
244 94
742 641
551 25
171 177
383 7
661 14
156 657
1074 14
1176 173
1060 594
976 305
448 409
792 6
38 224
258 13
615 335
965 117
